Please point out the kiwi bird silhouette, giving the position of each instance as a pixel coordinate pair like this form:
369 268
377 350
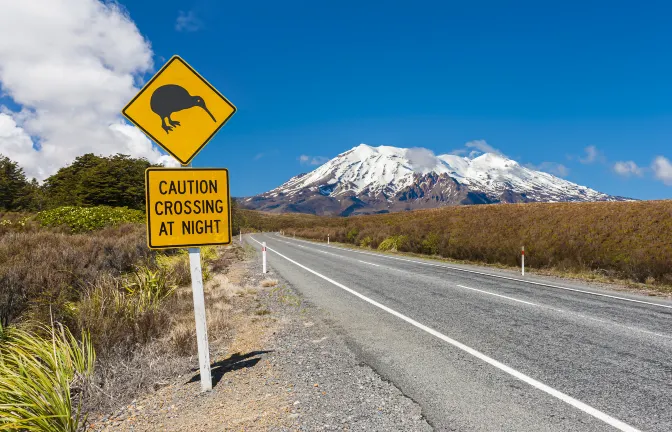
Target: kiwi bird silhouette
171 98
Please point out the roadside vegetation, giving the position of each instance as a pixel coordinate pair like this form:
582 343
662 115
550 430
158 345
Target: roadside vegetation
89 316
629 241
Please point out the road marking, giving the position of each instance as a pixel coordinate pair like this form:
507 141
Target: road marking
562 311
498 295
501 366
498 276
366 262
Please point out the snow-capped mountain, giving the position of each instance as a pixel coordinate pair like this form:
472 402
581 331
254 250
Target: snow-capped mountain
369 179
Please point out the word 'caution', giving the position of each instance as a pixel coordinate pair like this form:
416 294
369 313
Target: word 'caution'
187 207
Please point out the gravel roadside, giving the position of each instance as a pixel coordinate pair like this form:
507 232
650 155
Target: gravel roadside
287 369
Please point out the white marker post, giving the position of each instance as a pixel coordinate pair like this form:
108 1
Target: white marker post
263 256
522 259
327 238
241 235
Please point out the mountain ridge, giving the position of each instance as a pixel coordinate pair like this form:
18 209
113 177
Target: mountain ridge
368 179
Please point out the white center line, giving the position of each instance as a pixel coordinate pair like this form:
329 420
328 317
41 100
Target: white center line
366 262
497 276
612 421
498 295
562 311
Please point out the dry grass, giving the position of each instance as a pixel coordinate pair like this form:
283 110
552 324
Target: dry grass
266 283
43 268
110 284
623 240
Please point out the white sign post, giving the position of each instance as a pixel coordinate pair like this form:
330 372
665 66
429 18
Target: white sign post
199 313
522 259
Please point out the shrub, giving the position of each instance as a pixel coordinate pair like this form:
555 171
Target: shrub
83 219
430 245
352 235
43 268
366 241
121 313
40 372
393 243
629 240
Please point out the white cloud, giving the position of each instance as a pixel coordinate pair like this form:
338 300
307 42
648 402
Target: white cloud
482 146
592 155
627 168
312 160
662 169
188 22
421 158
71 65
554 168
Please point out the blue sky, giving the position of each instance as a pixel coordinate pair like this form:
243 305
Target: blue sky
541 82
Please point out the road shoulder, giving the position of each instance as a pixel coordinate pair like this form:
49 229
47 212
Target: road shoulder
286 369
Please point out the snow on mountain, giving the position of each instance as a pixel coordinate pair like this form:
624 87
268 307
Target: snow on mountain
369 179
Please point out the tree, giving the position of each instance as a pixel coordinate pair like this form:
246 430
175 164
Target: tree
13 185
94 180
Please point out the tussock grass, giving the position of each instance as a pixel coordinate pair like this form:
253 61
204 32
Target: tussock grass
269 283
134 305
622 240
43 375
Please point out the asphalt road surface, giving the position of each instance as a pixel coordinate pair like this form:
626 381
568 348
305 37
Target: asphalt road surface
480 349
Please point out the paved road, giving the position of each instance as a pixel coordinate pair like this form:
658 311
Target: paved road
480 352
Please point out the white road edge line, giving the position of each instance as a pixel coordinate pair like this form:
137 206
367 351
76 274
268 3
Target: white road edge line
498 295
366 262
606 418
495 276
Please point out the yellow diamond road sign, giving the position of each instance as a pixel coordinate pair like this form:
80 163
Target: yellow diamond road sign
179 110
187 207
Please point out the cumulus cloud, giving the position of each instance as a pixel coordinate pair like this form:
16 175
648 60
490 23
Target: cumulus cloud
421 158
188 22
482 146
475 148
627 168
554 168
312 160
71 65
592 155
662 169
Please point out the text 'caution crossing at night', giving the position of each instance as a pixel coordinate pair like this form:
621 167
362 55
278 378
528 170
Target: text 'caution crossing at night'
187 207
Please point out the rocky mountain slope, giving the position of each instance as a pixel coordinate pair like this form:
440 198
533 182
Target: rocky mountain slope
381 179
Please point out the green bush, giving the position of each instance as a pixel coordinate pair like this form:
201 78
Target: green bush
352 235
40 372
366 241
430 245
83 219
393 243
